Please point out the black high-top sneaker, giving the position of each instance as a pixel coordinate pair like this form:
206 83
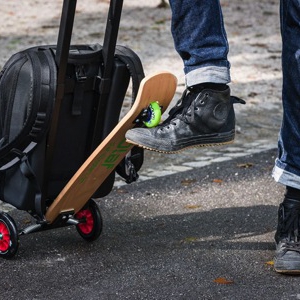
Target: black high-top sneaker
287 238
202 117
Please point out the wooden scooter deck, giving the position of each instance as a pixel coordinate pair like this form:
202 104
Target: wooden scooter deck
159 87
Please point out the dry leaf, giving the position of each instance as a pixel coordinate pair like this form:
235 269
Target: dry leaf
192 206
223 280
188 181
245 166
122 191
218 181
270 263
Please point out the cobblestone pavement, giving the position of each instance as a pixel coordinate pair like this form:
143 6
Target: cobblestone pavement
255 45
163 166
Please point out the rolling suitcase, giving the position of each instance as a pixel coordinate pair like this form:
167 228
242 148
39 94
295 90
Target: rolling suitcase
58 102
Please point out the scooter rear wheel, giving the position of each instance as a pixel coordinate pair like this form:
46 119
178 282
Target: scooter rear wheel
91 226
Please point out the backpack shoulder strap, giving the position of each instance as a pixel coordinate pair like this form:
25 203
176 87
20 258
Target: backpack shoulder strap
133 161
134 65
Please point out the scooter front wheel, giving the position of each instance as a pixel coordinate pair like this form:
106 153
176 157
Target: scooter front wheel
9 239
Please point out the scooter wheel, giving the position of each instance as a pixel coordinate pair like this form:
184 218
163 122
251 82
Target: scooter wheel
9 239
153 115
91 226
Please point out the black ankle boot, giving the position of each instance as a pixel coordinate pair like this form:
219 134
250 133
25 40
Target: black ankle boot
202 117
287 238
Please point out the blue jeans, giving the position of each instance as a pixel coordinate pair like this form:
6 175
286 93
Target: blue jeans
287 164
200 39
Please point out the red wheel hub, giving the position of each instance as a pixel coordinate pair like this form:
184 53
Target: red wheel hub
88 225
4 237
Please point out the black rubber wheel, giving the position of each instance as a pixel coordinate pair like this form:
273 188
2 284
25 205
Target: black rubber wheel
9 239
91 227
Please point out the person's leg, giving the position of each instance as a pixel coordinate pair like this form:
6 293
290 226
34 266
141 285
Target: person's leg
204 116
287 164
200 39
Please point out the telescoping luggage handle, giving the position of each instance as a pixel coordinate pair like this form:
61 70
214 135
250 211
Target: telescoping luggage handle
64 41
62 53
65 33
61 58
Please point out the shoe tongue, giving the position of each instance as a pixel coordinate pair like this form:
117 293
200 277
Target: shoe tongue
207 86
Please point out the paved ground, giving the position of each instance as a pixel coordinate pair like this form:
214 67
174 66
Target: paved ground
172 237
192 218
253 33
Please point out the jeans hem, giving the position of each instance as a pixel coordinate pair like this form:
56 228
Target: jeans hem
286 178
208 74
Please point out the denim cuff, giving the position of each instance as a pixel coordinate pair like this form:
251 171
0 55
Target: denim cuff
208 74
284 177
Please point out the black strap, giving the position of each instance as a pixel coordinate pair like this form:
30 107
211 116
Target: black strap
78 91
132 162
134 65
27 171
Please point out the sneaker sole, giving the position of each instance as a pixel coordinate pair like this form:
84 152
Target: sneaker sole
182 149
288 272
287 267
